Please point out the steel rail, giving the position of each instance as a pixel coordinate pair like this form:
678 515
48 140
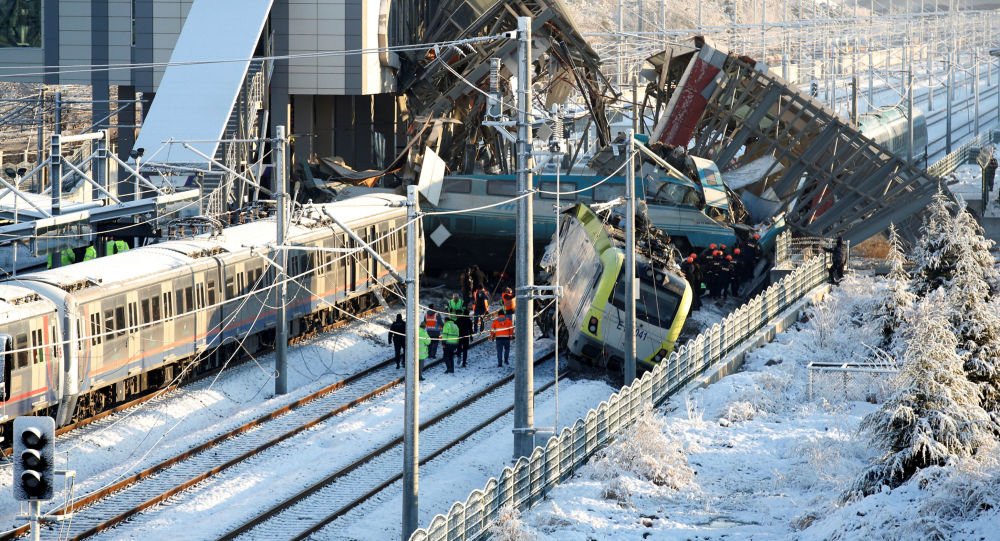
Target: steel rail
332 478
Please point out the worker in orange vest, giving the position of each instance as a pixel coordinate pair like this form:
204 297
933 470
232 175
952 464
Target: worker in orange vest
433 322
502 332
509 301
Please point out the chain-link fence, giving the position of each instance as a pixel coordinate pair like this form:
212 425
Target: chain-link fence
850 381
527 481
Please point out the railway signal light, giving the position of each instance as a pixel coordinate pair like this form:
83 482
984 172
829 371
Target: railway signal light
34 458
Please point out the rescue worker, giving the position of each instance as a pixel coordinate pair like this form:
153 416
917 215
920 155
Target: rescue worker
990 172
464 338
478 276
688 268
739 271
424 340
502 332
713 274
480 307
730 279
449 335
397 337
434 322
509 301
839 261
456 305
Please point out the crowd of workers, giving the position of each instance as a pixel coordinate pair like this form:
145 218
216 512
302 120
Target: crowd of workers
721 270
463 317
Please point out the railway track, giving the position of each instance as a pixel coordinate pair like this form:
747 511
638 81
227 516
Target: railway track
111 505
210 373
320 504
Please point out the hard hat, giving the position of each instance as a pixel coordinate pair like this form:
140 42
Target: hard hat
736 251
729 258
717 253
723 246
712 246
756 236
693 256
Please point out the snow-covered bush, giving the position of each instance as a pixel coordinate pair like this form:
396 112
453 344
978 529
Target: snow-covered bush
508 526
837 325
934 414
645 452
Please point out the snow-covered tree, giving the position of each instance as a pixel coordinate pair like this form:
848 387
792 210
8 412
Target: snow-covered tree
934 414
968 236
889 311
936 251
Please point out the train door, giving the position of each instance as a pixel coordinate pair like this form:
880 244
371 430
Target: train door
115 324
352 266
19 374
95 329
212 303
5 369
169 322
152 321
38 358
200 313
133 329
184 307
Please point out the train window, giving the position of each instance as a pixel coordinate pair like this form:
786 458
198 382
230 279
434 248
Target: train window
561 187
321 263
179 301
230 292
119 320
54 342
133 318
201 295
241 282
606 192
147 316
79 335
168 305
96 336
188 299
457 185
154 306
501 187
37 350
109 323
21 351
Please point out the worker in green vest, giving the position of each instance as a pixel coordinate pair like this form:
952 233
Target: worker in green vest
90 253
425 345
449 335
66 257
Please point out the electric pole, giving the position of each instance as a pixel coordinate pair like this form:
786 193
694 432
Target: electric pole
524 385
411 427
280 292
630 261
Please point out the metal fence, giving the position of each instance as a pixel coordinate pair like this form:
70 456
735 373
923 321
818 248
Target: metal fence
850 381
527 481
963 155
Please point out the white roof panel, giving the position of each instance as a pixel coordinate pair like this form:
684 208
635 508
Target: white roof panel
197 93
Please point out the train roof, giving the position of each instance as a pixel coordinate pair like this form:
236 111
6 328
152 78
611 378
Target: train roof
124 267
17 302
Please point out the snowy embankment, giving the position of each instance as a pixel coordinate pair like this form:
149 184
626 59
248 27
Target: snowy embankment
752 456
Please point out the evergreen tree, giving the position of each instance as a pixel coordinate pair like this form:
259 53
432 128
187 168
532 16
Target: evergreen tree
935 254
889 311
934 414
974 317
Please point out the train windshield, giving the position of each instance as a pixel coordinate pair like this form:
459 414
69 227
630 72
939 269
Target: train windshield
672 193
579 268
654 306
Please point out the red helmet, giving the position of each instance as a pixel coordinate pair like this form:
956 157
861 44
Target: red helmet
736 251
693 256
729 258
723 246
690 260
712 246
717 253
756 236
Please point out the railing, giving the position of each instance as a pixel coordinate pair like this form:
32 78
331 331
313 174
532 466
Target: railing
532 477
962 155
235 154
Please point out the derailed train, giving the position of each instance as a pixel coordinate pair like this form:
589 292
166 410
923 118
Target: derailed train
78 339
592 306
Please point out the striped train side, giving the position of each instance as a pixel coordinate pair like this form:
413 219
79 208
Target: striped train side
80 339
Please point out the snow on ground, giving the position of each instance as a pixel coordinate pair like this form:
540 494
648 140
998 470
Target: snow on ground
123 444
765 461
